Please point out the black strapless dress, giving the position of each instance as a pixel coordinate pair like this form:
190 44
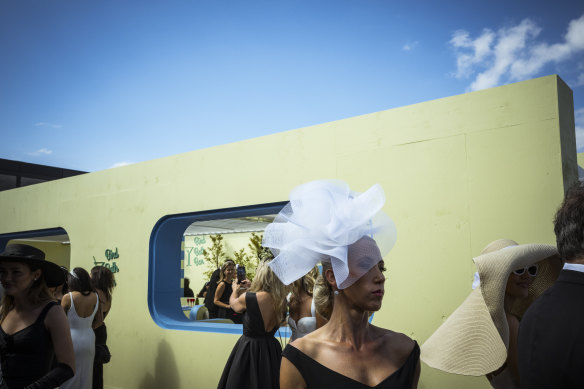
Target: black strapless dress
318 376
255 359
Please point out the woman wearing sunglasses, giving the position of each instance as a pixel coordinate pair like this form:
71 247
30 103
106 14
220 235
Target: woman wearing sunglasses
480 337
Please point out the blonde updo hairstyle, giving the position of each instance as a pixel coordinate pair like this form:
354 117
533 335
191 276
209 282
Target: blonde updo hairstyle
306 283
266 281
323 294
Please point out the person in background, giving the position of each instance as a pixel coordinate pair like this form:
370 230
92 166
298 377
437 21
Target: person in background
203 291
82 307
102 279
210 296
551 335
223 292
509 278
187 291
58 291
302 313
327 222
323 298
254 361
33 328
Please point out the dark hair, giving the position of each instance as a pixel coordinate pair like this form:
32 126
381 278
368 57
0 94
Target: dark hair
569 224
79 281
65 289
38 293
102 278
203 289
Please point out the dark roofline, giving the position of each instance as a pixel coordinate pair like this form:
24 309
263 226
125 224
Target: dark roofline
33 170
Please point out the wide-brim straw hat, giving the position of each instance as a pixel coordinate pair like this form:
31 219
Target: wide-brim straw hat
52 273
474 339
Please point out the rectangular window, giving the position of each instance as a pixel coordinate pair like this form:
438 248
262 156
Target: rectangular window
182 246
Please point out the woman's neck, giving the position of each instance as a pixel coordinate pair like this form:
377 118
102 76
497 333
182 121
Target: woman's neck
508 303
348 324
22 303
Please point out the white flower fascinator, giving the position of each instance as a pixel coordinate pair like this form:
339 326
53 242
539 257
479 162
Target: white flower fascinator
319 223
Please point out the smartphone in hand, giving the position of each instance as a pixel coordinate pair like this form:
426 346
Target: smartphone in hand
240 274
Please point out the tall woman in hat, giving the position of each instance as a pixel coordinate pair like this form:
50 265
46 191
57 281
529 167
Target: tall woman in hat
480 337
349 234
33 327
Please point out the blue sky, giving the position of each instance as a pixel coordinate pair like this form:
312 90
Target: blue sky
91 85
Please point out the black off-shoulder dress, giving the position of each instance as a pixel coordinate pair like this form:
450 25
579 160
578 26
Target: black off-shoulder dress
319 376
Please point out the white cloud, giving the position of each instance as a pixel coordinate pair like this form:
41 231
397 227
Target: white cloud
120 164
512 53
579 119
580 80
481 48
42 151
51 125
409 46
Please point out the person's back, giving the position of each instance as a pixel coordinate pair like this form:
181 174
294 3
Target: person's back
551 335
82 307
255 359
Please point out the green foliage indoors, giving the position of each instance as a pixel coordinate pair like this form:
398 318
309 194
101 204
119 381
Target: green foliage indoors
215 255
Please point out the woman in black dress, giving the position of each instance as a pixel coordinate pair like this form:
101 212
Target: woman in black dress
102 279
255 359
33 327
223 292
327 222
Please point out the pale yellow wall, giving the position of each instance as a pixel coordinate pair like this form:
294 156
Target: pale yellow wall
458 172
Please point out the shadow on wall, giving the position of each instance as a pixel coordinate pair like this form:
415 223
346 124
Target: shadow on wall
165 370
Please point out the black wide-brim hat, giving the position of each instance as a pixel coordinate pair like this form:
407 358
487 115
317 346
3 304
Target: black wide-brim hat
52 273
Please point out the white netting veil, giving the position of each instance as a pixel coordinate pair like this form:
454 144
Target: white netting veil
319 223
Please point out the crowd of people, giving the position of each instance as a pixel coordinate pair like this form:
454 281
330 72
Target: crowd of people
519 327
52 331
325 276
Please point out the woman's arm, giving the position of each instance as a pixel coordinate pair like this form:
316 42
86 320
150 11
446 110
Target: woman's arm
237 301
58 326
218 294
290 377
98 318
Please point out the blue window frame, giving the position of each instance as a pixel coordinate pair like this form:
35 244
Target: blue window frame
164 273
5 238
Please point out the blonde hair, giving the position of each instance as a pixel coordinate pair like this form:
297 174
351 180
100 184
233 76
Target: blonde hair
223 267
323 295
266 281
306 283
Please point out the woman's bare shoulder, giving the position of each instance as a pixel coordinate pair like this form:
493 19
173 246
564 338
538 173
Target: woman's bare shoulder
395 342
310 344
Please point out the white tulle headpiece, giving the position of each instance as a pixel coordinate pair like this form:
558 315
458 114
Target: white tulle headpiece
319 223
